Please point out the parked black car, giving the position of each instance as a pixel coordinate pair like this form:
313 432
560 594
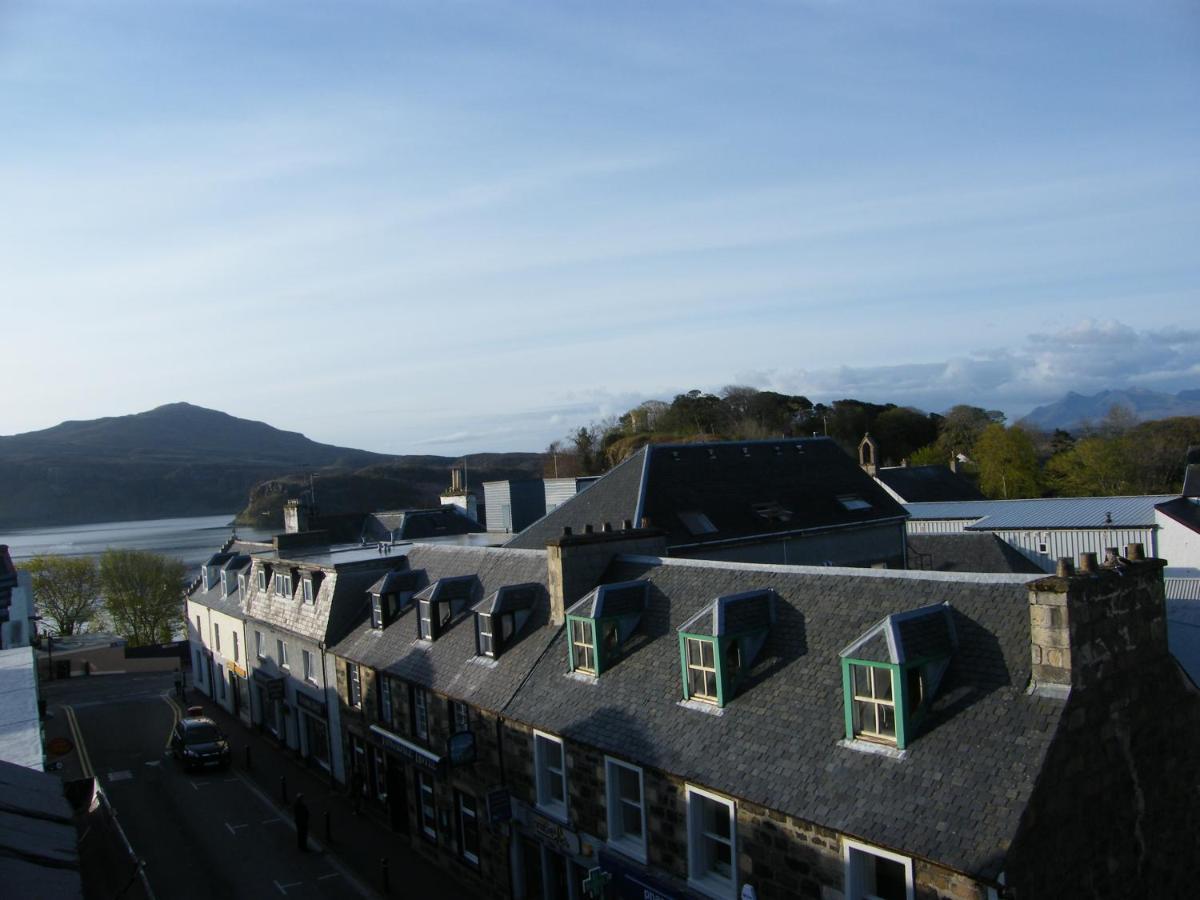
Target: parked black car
198 743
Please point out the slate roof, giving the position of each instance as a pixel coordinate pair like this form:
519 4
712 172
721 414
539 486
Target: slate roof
924 484
1183 510
967 552
449 664
338 604
416 524
746 489
235 559
1047 512
39 849
958 794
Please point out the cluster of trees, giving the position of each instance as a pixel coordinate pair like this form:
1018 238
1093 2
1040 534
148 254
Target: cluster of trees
135 593
1115 456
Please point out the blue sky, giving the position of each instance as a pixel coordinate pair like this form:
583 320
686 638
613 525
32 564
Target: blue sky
450 226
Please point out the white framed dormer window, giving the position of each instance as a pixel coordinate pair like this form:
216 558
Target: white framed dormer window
235 647
626 805
550 771
242 584
224 583
306 584
283 585
262 580
876 874
712 843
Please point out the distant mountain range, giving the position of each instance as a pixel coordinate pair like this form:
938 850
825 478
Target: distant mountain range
1075 410
184 460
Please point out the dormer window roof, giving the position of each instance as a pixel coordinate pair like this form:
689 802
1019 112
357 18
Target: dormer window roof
502 615
696 522
892 671
438 604
720 644
392 594
600 623
852 502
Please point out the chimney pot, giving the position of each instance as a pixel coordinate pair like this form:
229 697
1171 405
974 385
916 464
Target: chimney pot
1087 562
645 521
606 527
587 529
627 524
1135 551
1111 556
1065 567
566 531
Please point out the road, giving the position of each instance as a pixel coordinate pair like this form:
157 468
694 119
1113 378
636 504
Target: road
205 834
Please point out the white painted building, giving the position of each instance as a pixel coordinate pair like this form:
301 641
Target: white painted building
16 603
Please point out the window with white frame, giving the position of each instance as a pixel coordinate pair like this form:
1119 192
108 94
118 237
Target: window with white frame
426 804
385 698
235 646
420 713
217 637
309 673
224 583
258 644
460 714
549 764
242 584
281 652
262 580
308 590
354 685
376 611
626 808
468 828
875 874
712 843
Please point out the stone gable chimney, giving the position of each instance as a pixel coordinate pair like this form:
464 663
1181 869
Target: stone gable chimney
1101 622
296 514
868 454
575 562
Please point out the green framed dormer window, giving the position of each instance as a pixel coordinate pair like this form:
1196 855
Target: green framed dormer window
891 673
719 645
599 625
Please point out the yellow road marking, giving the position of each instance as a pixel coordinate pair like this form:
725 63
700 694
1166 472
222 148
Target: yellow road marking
176 713
85 761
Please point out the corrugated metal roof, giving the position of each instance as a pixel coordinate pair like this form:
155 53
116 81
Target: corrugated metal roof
1047 512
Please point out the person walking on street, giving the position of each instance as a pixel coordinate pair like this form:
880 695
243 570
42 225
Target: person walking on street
300 815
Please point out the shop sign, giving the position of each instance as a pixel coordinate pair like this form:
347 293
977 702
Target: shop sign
407 750
631 883
553 834
236 669
311 704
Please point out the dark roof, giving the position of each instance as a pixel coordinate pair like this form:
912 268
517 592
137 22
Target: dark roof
416 524
449 665
39 843
1184 511
1191 480
957 795
232 604
742 489
966 552
922 484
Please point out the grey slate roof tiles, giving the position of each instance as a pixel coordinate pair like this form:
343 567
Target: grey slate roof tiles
967 552
928 484
957 795
233 603
449 664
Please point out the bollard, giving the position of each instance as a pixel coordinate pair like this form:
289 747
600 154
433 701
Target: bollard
328 829
383 873
248 766
283 789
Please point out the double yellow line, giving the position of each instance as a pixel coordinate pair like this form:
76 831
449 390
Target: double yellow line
85 761
177 714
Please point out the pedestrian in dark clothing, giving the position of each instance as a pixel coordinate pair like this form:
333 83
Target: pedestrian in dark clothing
300 815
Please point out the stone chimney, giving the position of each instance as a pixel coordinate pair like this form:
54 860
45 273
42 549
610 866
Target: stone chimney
575 562
296 515
868 454
458 495
1098 622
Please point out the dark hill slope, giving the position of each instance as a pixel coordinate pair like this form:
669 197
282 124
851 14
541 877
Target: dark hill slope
176 460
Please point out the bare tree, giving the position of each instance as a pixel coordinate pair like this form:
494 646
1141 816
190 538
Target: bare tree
66 590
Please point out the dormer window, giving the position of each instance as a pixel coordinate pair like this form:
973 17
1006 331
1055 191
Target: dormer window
242 584
262 579
719 645
852 502
306 586
224 583
502 615
439 603
204 578
891 673
391 595
601 622
696 522
283 585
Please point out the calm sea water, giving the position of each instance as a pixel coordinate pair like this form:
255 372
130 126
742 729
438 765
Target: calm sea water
191 540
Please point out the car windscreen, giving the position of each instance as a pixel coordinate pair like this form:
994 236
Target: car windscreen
202 734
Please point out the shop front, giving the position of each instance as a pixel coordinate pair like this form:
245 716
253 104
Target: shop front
549 861
314 719
389 755
239 691
270 690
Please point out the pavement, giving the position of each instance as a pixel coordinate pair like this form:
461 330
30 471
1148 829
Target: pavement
232 828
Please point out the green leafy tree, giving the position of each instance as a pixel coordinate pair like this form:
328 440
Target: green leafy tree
66 590
1093 467
1007 461
963 425
902 431
142 592
929 455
